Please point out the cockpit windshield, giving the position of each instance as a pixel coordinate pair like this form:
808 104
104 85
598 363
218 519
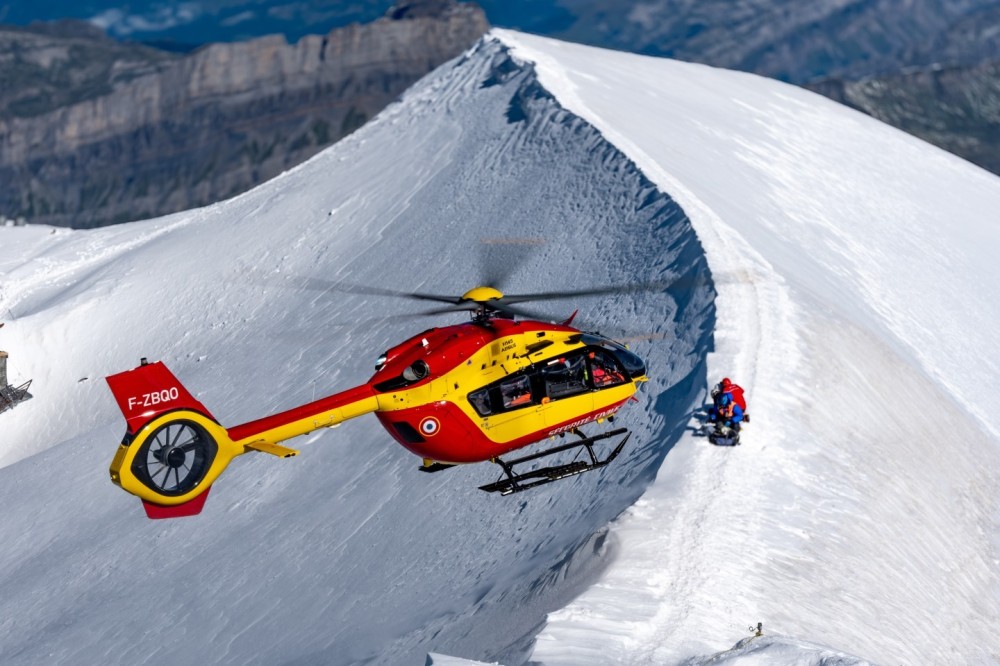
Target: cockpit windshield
634 365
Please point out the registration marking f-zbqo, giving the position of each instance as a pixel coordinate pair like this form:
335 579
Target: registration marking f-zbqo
154 398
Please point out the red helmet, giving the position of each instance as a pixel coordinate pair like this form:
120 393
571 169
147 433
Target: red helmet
726 382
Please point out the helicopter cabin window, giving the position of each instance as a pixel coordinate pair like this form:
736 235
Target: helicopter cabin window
565 377
516 392
509 394
605 370
481 401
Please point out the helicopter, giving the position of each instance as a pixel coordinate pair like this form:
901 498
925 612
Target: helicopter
458 394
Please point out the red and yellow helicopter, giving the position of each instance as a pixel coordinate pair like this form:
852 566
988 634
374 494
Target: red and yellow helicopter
465 393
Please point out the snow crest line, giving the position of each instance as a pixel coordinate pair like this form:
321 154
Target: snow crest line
851 262
97 252
753 313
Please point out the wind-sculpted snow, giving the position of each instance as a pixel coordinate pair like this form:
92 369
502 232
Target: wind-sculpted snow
345 554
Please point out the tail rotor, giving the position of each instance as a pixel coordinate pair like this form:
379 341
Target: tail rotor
173 449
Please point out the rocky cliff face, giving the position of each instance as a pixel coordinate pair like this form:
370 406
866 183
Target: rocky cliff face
52 65
160 133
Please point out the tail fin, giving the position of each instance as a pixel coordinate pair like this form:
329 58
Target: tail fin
171 464
189 508
148 391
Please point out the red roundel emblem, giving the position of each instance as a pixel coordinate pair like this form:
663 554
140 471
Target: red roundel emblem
429 426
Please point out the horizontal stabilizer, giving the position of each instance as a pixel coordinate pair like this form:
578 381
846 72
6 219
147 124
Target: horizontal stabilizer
273 449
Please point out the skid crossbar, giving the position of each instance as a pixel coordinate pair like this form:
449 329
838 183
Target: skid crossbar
517 482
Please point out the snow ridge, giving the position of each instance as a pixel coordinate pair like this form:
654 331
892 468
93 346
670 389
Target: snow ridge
845 254
345 554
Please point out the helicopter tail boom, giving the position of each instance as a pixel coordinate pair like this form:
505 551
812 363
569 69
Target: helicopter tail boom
174 449
324 413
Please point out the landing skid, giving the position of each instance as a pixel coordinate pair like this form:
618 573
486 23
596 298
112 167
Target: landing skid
515 483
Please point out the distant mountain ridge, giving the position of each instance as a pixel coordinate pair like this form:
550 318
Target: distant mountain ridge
98 132
46 66
790 40
187 25
928 67
784 39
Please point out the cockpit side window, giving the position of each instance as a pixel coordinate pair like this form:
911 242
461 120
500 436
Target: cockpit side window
565 377
605 370
592 368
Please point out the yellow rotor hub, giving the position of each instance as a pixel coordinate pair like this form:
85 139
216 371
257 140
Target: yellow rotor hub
482 294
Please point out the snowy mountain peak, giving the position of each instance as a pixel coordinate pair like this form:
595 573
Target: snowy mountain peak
832 266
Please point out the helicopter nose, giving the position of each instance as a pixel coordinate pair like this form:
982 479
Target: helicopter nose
634 365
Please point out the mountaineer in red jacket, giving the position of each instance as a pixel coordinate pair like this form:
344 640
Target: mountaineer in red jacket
735 393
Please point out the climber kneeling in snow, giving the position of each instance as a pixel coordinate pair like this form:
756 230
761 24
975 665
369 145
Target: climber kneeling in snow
735 391
728 412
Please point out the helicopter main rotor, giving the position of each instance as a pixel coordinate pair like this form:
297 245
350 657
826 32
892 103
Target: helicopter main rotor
485 302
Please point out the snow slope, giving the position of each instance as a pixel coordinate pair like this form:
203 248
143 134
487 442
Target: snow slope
855 267
346 554
851 264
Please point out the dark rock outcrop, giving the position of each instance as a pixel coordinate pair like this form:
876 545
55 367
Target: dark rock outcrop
145 132
48 66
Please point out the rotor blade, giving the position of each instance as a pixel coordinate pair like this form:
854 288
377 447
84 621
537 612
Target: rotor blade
499 258
461 307
502 306
319 284
375 321
416 315
597 291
